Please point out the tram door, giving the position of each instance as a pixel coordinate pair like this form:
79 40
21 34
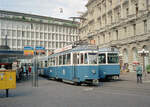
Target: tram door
75 62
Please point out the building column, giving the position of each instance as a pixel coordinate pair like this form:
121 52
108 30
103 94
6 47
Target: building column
131 8
122 13
142 5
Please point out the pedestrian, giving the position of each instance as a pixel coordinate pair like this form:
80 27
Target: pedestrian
29 69
139 73
21 73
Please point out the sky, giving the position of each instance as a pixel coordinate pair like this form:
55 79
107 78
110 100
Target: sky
54 8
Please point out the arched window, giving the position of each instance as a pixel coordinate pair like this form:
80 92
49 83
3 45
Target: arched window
135 54
125 55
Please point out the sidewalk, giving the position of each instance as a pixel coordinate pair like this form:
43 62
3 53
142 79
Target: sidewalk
128 80
131 76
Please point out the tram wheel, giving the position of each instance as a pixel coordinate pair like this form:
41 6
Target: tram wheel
77 83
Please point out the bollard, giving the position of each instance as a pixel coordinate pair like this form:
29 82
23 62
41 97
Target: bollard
7 92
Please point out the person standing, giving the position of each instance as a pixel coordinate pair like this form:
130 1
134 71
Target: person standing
139 73
29 70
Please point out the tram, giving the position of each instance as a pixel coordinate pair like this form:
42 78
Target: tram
108 60
74 64
81 64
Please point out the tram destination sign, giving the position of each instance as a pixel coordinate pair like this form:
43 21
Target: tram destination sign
63 49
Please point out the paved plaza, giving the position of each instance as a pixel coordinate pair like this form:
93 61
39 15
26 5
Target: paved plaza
122 93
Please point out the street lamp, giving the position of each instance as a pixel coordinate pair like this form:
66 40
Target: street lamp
143 53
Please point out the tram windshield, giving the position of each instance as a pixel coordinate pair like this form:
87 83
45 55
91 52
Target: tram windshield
102 58
92 58
113 58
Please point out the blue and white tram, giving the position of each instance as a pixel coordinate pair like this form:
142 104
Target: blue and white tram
77 65
108 60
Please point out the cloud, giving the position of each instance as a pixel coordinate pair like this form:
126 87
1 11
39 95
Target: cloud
45 7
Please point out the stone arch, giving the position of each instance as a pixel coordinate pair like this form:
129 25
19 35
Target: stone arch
134 54
125 55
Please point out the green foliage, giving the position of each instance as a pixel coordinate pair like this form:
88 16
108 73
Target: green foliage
23 18
148 68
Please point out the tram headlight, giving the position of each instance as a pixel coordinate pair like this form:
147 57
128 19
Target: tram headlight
93 71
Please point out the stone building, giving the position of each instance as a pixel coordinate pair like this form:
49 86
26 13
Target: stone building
124 24
21 29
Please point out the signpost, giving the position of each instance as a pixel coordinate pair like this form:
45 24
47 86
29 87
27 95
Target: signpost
28 50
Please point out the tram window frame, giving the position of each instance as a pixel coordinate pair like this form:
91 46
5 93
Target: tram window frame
68 61
103 60
85 58
78 58
110 61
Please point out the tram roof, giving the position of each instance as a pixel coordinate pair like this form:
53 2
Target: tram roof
77 49
108 49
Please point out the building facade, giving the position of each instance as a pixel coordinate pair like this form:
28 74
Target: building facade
124 24
22 30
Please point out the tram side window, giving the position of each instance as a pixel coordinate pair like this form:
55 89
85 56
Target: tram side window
75 58
81 61
112 58
68 59
64 59
40 64
85 58
101 58
53 61
60 60
56 60
50 61
45 63
92 58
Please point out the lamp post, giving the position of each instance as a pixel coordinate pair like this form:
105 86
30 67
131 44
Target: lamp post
143 53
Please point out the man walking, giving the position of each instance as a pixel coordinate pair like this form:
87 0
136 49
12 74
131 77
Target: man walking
139 73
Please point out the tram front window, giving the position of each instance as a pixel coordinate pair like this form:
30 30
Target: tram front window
92 58
101 58
113 58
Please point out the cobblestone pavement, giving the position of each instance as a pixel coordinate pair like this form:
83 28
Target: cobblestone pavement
123 93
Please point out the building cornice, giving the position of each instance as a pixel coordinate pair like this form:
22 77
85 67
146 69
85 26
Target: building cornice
23 17
32 15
